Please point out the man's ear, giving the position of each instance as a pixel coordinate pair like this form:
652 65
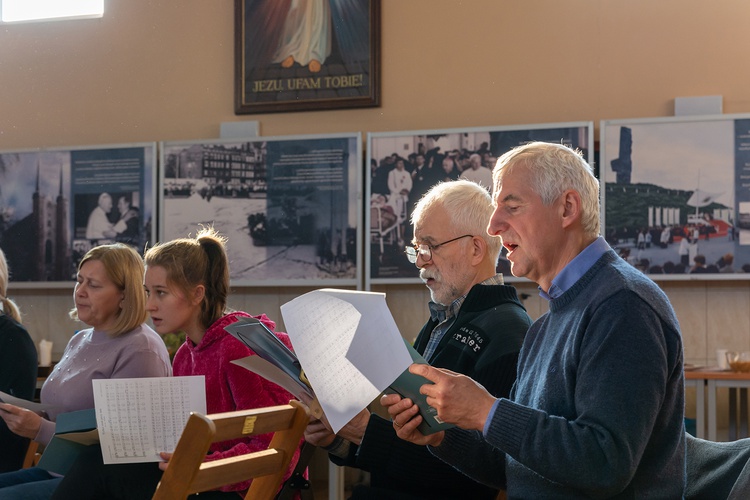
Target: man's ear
570 207
478 250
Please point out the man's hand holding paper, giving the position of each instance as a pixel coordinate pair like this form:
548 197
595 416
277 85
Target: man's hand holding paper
458 399
319 433
406 420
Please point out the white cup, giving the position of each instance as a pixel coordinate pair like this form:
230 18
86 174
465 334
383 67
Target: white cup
721 359
45 353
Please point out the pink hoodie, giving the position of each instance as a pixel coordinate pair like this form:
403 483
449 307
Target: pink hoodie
230 387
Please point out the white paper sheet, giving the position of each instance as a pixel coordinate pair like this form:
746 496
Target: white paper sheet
349 347
139 417
272 373
24 403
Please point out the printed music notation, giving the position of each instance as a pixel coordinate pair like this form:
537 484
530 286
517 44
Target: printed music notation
138 418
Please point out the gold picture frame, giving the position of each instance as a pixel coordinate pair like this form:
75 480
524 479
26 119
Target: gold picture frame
306 55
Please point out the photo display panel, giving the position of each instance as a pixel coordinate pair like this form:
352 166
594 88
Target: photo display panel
403 166
288 205
57 204
676 195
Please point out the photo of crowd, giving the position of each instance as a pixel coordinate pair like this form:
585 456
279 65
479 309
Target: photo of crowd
403 167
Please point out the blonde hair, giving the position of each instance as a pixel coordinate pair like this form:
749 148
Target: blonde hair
190 262
124 267
8 306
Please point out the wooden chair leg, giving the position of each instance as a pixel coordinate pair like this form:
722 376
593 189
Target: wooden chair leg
32 457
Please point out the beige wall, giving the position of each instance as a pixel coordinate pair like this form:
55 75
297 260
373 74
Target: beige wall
154 70
163 70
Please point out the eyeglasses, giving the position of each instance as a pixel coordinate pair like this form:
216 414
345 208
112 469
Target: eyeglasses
425 250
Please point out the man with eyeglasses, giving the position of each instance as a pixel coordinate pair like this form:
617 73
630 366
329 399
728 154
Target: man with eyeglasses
597 410
476 327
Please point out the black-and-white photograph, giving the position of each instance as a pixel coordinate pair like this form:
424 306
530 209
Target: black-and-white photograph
670 194
405 165
56 204
109 216
288 206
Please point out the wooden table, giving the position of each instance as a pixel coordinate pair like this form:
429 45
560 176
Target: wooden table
713 378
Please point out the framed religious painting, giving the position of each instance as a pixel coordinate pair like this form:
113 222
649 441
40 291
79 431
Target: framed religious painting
297 55
676 196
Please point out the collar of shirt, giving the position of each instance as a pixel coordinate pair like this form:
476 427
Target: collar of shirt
576 268
440 313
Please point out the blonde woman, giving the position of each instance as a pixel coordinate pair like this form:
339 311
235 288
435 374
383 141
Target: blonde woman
108 297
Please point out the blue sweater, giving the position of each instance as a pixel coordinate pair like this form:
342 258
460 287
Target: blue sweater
597 410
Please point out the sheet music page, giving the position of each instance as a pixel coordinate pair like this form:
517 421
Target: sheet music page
139 417
349 347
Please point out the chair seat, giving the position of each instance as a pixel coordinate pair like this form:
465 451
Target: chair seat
717 469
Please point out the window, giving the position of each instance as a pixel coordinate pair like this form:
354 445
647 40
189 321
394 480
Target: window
12 11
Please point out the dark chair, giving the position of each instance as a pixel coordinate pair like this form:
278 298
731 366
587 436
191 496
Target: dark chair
717 469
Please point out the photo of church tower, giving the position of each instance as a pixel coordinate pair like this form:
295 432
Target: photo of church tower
48 258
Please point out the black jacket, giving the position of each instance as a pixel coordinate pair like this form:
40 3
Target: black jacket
483 343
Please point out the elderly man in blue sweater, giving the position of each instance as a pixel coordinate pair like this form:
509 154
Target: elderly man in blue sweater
597 409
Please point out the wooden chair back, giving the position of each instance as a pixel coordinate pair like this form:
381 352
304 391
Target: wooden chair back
32 455
187 472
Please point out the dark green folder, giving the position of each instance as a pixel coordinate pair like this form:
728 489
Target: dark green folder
74 431
407 386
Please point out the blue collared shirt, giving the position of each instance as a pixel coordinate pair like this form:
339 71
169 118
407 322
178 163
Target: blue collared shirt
576 268
572 272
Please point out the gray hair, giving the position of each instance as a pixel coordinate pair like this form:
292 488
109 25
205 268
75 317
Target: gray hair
469 206
553 169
